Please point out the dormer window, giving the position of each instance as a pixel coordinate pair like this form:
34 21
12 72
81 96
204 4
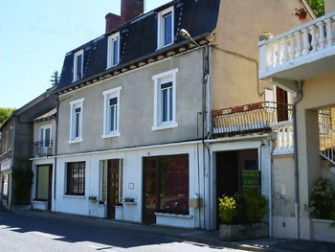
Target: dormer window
165 27
78 65
113 51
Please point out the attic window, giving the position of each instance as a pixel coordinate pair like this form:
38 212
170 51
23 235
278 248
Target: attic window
113 51
78 63
165 27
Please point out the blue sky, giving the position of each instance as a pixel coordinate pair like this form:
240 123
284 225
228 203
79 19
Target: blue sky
35 35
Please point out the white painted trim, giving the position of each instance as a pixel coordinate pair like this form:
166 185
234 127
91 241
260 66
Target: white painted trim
110 49
75 64
160 31
108 94
73 105
159 79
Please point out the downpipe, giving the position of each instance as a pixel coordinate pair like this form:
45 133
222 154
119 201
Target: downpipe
296 162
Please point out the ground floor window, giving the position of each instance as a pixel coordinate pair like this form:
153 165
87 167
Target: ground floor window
166 184
75 176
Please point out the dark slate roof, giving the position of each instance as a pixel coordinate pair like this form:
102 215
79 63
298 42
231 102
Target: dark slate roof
138 40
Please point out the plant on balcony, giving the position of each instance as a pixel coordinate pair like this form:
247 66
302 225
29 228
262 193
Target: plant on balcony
265 35
300 13
241 216
322 201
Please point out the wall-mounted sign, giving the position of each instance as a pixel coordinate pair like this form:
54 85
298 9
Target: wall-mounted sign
251 178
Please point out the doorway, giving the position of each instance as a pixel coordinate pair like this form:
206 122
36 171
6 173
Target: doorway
229 166
113 185
43 183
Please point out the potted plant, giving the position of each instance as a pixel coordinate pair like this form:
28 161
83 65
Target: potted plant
300 13
241 216
265 35
322 201
321 208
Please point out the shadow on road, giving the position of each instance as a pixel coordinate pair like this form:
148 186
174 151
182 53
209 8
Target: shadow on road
72 231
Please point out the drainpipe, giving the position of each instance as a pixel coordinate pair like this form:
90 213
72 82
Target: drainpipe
53 204
296 163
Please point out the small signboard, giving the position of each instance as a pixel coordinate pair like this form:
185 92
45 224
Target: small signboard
251 178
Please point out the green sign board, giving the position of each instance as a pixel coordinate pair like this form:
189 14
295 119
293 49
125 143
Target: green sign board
251 178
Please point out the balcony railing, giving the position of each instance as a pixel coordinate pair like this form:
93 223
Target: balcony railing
302 45
326 136
250 118
43 148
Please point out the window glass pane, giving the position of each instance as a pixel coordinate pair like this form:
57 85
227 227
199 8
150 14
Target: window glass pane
166 102
77 121
166 182
79 64
167 20
76 178
115 51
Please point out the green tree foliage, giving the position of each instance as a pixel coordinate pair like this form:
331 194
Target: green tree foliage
5 113
54 78
318 7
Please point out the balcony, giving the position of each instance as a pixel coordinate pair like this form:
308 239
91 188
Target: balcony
304 52
248 119
43 148
257 118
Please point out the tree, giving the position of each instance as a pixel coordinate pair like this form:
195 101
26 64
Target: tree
54 78
5 113
318 7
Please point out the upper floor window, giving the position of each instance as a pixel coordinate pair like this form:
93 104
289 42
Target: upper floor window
113 51
45 135
165 27
165 100
78 63
76 121
111 112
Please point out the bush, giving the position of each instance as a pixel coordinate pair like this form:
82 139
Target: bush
241 209
322 201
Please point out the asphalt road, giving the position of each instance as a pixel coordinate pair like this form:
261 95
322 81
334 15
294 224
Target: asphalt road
21 233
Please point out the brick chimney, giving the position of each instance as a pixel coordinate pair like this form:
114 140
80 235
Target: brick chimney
129 10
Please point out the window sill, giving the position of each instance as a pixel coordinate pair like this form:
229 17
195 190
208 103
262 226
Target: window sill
110 135
165 126
70 196
170 215
78 140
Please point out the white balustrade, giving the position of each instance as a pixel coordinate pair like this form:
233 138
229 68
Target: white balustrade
308 38
284 138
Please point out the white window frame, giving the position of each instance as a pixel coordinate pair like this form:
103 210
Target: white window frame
159 80
42 139
76 65
161 28
76 105
110 50
108 95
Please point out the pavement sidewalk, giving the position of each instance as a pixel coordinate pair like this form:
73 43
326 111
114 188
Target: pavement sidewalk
210 238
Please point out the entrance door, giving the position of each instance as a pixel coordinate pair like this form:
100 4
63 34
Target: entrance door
113 180
229 165
44 182
282 101
150 190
